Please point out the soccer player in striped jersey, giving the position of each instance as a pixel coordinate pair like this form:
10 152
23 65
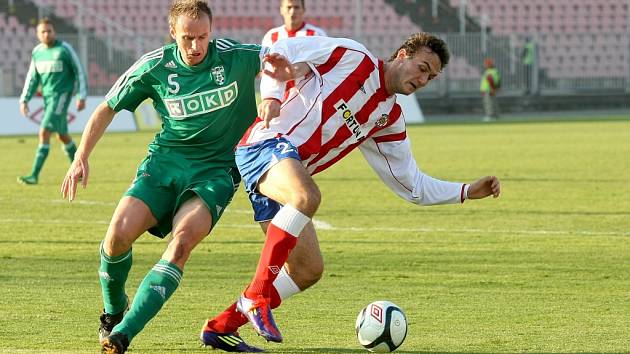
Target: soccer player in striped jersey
56 67
347 101
204 91
292 12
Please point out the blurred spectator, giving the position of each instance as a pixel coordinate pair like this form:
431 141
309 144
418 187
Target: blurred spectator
490 84
529 61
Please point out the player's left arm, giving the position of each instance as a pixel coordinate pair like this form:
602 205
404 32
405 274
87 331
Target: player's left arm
303 53
80 76
389 153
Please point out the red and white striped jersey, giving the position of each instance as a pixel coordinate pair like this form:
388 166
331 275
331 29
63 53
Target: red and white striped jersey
281 32
343 104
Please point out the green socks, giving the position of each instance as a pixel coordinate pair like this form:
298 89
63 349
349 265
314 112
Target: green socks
113 275
40 158
41 155
157 287
70 149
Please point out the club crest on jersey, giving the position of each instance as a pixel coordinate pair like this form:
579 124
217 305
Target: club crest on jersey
381 122
218 72
203 102
349 119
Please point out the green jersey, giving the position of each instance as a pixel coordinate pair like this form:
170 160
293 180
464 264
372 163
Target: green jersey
57 68
205 108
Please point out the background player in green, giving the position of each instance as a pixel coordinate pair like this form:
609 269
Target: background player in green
56 66
204 92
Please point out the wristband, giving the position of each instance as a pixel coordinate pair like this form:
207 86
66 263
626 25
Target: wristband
464 193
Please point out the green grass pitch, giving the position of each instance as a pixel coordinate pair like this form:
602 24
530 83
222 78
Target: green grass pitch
542 269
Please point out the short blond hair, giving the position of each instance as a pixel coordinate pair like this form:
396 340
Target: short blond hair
44 21
283 1
424 40
191 8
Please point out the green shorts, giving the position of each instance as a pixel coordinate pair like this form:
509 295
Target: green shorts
56 112
165 181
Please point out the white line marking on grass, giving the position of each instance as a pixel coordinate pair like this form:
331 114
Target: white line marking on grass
82 202
355 229
322 225
49 221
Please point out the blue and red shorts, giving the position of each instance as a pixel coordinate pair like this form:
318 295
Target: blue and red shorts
253 162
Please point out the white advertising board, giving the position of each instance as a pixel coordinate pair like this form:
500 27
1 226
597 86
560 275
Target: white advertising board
13 123
411 108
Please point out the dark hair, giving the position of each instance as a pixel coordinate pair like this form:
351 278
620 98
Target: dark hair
190 8
420 40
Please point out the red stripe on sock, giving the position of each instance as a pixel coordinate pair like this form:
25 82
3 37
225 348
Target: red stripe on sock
227 321
275 298
275 252
231 320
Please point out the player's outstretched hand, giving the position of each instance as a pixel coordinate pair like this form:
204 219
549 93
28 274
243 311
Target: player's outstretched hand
268 109
282 70
78 172
484 187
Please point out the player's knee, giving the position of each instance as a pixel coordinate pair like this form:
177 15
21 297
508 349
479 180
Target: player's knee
115 243
182 245
178 251
119 237
307 199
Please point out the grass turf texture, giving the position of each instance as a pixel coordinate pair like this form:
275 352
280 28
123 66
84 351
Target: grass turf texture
542 269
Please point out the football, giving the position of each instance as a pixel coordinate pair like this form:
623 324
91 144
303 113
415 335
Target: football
381 327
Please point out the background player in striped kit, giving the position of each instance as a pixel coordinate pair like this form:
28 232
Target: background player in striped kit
292 12
204 92
346 101
56 67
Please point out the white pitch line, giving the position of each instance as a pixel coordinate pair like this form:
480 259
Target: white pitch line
322 225
82 202
355 229
44 221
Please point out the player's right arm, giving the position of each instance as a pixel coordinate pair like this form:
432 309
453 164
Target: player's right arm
80 169
30 86
127 93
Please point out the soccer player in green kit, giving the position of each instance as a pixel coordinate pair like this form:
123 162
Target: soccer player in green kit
204 91
56 66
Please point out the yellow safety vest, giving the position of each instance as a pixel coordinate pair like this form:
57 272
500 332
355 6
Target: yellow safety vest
484 86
